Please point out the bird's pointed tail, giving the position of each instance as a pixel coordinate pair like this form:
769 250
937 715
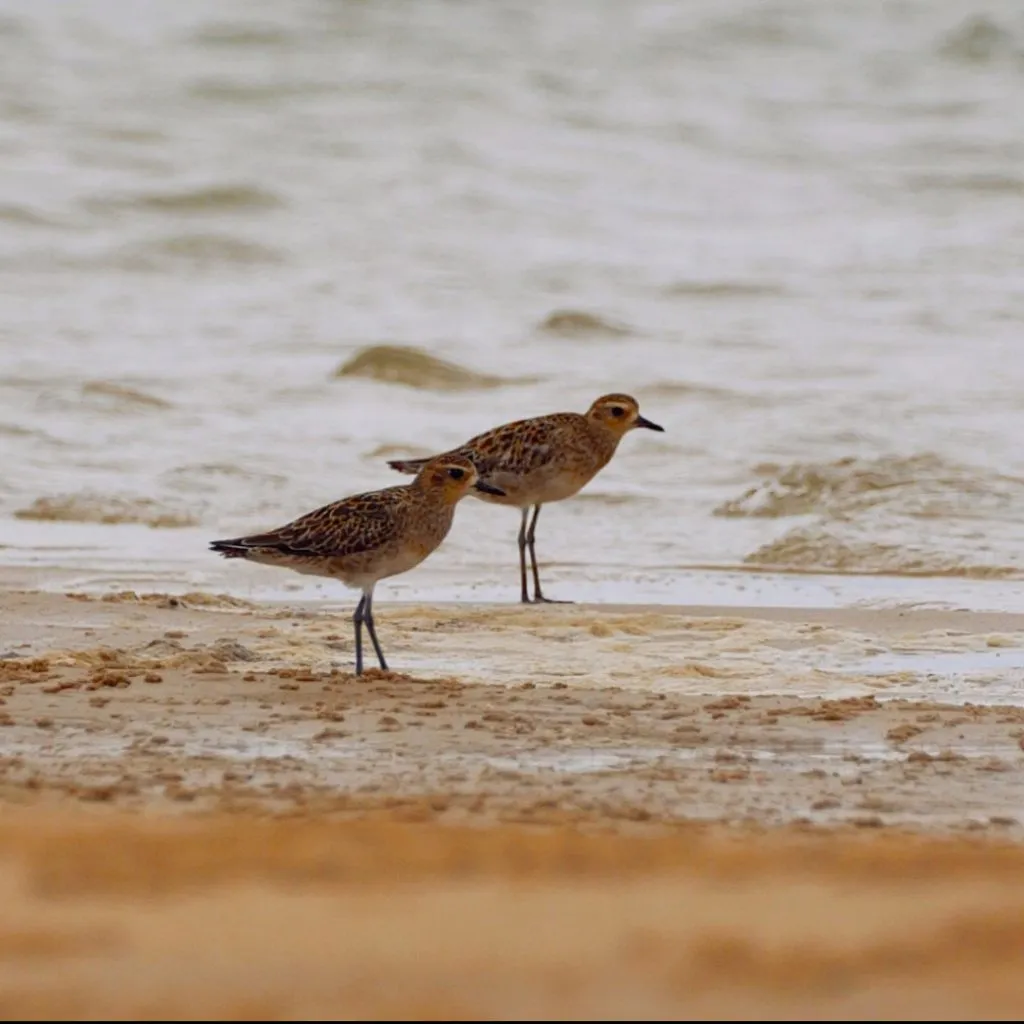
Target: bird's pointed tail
230 548
409 466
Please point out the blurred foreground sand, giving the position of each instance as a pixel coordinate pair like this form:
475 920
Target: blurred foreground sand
575 812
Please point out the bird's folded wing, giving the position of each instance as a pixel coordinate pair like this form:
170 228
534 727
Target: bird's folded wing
347 527
514 448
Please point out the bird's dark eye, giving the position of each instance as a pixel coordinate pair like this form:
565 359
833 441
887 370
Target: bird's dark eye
618 412
456 474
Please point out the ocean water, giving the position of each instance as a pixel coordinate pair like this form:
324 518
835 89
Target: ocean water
794 230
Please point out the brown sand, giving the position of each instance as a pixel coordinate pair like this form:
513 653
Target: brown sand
203 817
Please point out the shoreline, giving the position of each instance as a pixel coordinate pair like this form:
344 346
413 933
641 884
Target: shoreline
98 559
883 618
662 715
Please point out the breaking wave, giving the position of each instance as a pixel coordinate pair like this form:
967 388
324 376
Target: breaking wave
727 290
574 323
981 40
917 485
121 397
856 549
230 198
103 508
405 364
865 516
199 251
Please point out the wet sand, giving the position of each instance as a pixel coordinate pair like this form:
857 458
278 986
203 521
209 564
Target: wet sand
565 811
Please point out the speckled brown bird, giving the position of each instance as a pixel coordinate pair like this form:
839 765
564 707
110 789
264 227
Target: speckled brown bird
547 458
368 537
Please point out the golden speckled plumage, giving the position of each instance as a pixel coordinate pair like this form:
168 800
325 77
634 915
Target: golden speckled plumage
360 539
367 537
548 458
545 458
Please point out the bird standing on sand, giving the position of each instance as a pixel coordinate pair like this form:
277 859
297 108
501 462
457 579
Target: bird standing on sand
547 458
368 537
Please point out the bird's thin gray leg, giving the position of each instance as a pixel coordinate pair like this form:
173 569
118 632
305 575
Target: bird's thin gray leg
368 619
357 625
525 597
538 595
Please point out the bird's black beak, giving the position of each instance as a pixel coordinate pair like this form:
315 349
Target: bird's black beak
642 422
487 488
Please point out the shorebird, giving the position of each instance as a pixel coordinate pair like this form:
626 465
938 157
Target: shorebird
368 537
544 459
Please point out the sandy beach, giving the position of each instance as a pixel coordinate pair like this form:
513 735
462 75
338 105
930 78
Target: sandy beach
769 765
206 814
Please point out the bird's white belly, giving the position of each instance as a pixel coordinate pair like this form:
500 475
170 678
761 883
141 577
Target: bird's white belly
536 489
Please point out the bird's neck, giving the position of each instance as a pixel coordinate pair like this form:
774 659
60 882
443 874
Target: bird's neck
605 440
433 498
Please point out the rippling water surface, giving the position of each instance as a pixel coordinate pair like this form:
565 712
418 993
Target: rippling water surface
794 230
